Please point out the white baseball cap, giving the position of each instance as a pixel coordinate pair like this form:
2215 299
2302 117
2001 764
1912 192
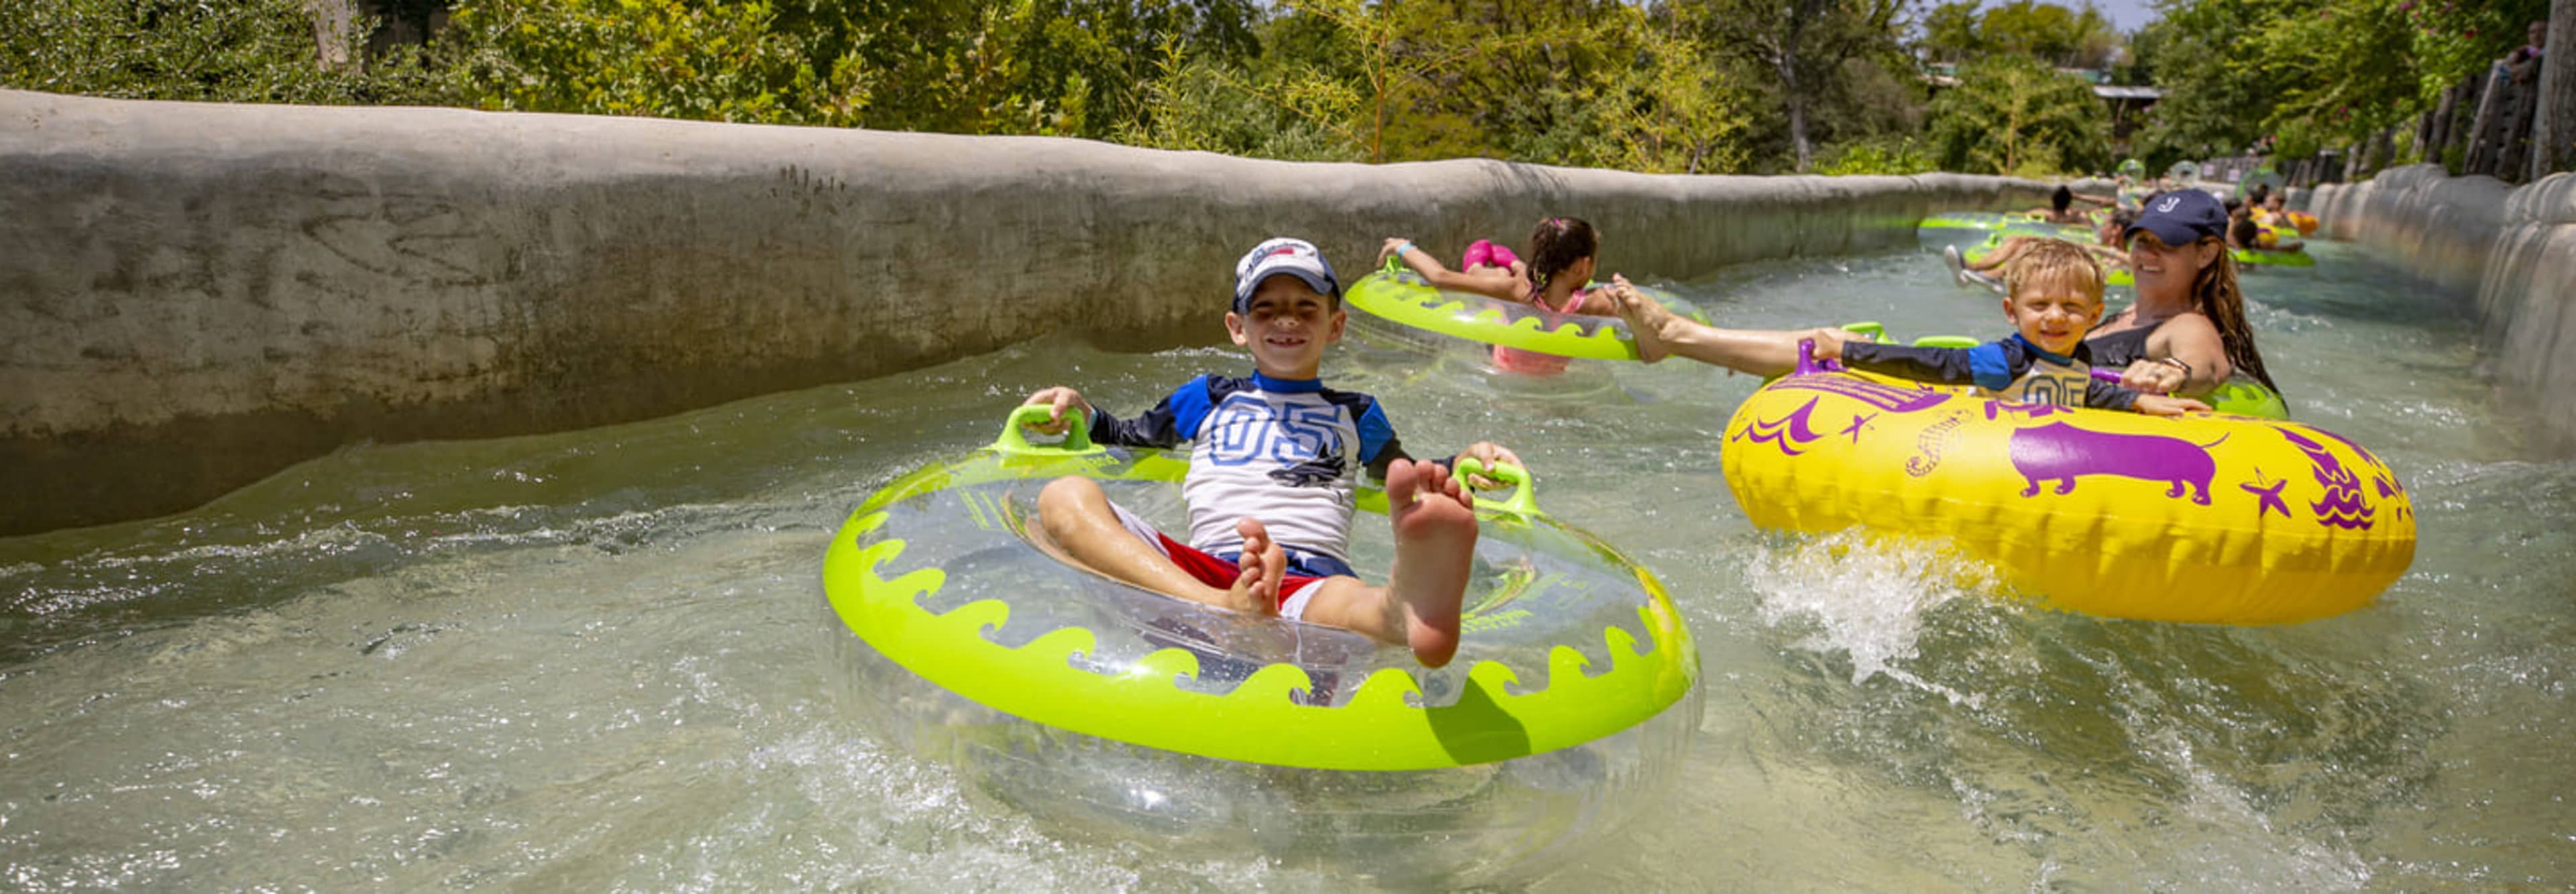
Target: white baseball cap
1293 257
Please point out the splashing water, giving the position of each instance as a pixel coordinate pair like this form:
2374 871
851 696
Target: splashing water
1868 595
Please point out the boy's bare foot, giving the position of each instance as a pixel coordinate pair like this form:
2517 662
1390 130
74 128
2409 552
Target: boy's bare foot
1256 589
1645 318
1435 549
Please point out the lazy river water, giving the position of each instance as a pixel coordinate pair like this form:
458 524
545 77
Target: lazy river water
596 659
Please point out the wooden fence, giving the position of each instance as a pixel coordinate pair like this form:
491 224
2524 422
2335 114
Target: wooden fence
2481 126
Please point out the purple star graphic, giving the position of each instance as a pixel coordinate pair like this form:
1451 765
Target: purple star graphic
1858 423
2269 494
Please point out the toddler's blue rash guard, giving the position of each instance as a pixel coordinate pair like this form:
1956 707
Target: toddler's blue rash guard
1285 451
2012 369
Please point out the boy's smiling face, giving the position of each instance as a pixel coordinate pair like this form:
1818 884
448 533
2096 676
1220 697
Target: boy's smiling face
2053 317
1287 324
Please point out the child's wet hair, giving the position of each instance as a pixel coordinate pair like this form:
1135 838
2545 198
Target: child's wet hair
2243 231
2057 263
1557 244
2061 198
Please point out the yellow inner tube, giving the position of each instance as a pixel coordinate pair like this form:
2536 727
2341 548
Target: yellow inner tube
2211 518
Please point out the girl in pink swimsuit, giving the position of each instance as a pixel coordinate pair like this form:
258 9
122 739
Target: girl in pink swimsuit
1562 259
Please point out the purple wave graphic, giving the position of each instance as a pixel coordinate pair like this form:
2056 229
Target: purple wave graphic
2390 487
2062 453
2357 449
1891 398
2344 506
1788 432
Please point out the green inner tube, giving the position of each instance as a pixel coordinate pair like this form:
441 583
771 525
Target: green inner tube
1376 725
1399 296
2248 398
1971 220
2015 222
2272 258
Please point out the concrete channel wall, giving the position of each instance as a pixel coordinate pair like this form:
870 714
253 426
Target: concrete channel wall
195 296
2514 248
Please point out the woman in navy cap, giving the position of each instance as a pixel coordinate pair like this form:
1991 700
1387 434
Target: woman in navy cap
2186 334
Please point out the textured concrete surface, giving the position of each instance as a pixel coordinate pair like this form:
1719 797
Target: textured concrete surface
2515 249
194 296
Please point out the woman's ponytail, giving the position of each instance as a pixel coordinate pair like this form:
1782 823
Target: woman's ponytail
2216 295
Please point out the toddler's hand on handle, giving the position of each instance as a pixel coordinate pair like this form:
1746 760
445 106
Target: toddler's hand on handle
1491 454
1829 342
1064 401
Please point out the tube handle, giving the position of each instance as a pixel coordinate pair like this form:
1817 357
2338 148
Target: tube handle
1523 500
1807 362
1014 439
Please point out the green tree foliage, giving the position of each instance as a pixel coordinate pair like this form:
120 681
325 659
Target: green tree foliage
232 51
2013 115
2453 39
2073 38
1878 157
2212 104
1803 49
1071 67
1679 86
2344 66
2078 37
2137 65
1950 31
1007 66
1199 103
1559 82
2314 72
661 58
1674 110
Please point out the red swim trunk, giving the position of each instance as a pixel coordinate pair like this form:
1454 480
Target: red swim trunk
1221 572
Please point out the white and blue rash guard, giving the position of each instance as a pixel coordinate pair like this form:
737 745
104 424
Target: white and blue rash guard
2012 369
1287 452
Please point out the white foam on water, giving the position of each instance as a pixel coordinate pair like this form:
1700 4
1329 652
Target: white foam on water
2238 846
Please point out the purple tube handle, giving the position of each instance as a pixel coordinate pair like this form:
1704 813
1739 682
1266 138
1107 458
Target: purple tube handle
1807 362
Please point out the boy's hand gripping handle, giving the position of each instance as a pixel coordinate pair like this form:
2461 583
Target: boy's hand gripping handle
1522 501
1014 440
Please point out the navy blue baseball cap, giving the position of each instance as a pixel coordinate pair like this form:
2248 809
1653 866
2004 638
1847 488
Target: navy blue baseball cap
1282 257
2180 217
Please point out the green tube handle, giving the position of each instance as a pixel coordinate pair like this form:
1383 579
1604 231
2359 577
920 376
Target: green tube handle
1523 499
1014 440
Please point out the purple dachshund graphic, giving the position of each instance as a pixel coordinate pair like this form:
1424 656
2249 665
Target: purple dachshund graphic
2062 453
